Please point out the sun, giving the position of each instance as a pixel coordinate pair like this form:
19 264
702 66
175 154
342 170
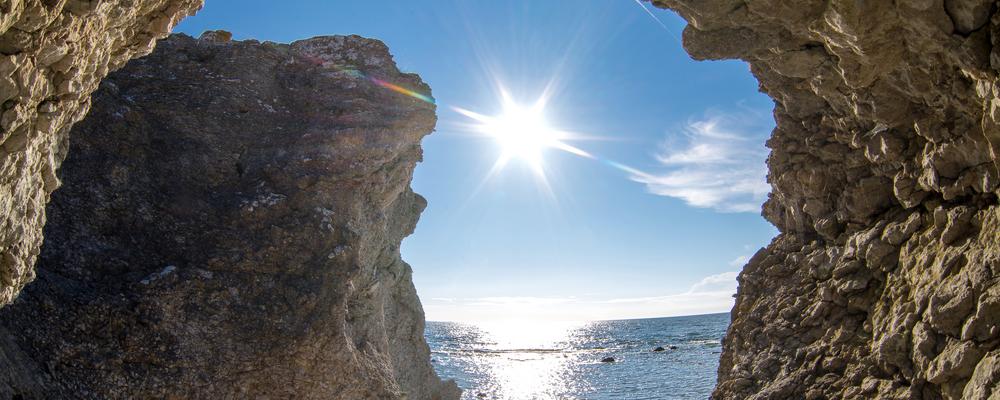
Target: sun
522 133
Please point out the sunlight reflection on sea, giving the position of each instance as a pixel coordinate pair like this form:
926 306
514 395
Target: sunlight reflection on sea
548 360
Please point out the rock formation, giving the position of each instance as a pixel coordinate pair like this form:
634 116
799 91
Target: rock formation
53 54
229 227
884 280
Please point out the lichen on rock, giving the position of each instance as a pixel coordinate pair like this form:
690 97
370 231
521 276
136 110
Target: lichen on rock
229 227
884 168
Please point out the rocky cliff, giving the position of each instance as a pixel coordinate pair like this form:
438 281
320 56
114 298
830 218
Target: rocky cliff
884 280
229 227
53 54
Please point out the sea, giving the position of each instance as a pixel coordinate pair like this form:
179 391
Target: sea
533 360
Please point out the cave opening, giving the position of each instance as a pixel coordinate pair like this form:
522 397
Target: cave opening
557 255
232 211
570 201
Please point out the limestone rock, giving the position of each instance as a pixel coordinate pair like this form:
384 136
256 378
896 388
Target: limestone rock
229 227
884 168
53 54
216 36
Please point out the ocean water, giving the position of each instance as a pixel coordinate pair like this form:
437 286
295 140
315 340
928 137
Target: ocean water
535 360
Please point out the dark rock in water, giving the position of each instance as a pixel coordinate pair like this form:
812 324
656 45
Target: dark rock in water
673 347
608 360
659 349
481 395
229 227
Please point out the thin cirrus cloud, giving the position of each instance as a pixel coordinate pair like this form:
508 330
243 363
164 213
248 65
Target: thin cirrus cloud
724 282
740 261
717 162
713 293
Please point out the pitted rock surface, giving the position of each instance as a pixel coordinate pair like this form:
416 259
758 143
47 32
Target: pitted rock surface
883 282
229 227
53 54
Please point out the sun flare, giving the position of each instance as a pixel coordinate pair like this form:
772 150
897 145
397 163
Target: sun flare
522 133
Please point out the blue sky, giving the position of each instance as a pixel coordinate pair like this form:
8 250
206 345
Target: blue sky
665 237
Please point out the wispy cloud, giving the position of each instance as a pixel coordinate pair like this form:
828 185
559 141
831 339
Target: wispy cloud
444 299
724 282
719 286
517 301
715 162
740 261
713 293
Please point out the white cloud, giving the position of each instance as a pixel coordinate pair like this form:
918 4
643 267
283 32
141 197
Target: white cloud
711 294
517 301
724 282
740 261
444 299
718 163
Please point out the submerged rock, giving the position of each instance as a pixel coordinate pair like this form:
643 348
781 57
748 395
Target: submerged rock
884 168
608 360
659 349
229 227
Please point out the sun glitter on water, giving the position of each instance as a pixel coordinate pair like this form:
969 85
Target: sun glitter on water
527 359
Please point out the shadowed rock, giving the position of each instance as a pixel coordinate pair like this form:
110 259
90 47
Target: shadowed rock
229 227
53 54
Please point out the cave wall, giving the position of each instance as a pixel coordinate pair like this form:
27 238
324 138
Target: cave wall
883 282
229 227
884 166
53 54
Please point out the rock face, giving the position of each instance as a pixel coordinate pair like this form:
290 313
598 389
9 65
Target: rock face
53 54
884 280
229 227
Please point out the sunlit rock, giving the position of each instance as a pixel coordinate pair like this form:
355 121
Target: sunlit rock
885 161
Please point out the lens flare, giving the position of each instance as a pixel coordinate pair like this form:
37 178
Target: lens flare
378 82
523 133
391 86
